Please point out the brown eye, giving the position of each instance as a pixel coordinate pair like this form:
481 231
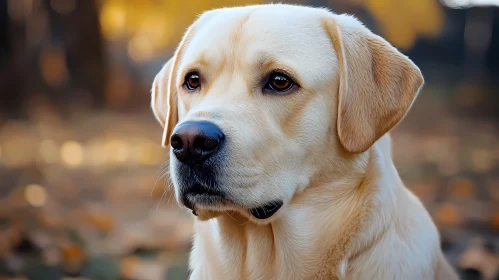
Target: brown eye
279 82
192 81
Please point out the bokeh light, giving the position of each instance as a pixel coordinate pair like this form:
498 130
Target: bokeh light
148 153
53 66
117 151
482 160
72 153
112 19
35 195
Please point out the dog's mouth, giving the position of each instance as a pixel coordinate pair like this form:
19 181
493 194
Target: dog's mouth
266 211
199 197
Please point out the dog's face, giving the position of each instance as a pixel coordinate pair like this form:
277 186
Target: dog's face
257 101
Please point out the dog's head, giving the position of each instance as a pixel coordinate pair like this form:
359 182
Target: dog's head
259 100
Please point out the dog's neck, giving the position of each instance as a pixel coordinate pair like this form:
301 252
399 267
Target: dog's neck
326 223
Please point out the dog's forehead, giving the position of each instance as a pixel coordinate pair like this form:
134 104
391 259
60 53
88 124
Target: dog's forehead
292 35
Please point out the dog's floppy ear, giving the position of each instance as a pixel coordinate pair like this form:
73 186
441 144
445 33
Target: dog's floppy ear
160 94
377 83
164 94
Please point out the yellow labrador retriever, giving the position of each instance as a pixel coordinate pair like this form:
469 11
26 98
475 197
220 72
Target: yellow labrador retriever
276 117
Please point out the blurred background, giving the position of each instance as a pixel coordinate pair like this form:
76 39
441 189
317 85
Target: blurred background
80 151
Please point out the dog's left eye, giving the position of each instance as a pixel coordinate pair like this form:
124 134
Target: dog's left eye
192 81
279 82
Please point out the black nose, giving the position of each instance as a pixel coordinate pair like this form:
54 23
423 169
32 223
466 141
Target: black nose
195 141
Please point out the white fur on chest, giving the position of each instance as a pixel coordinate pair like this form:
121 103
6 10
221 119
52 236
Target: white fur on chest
285 250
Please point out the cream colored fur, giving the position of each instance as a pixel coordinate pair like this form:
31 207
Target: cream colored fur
323 149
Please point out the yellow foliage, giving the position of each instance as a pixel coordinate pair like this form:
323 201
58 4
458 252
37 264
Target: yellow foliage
402 22
153 25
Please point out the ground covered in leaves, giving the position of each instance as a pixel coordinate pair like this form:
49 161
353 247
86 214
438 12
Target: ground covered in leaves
77 196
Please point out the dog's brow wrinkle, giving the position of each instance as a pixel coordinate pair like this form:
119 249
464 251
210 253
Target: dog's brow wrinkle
264 58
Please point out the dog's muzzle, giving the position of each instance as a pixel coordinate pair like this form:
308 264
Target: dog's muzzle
197 146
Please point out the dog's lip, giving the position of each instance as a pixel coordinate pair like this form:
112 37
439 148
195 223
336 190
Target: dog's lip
199 195
208 199
266 211
192 201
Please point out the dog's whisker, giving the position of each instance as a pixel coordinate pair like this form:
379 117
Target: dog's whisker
166 189
247 221
156 183
160 174
163 167
159 202
172 190
253 193
226 212
275 188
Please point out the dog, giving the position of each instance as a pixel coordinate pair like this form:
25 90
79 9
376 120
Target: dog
277 118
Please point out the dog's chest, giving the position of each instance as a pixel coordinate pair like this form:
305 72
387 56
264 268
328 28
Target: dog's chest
279 252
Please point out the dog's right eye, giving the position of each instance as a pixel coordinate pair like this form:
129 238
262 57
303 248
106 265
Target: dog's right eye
279 82
192 81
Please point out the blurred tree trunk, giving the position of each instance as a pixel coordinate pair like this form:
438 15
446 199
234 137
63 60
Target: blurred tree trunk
48 43
79 32
4 51
10 84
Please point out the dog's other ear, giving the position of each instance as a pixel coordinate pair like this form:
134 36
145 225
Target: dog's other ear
164 100
377 83
164 94
159 93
